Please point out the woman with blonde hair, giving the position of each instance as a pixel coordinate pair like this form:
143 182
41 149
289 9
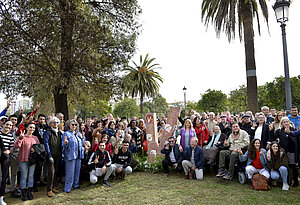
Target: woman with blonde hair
186 134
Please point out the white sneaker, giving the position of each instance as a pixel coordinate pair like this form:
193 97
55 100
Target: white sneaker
2 202
285 187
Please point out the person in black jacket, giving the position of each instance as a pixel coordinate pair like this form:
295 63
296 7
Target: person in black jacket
245 123
193 159
52 143
122 160
260 130
100 164
289 143
172 156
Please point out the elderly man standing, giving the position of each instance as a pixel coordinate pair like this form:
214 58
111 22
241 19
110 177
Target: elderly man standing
236 141
194 160
52 143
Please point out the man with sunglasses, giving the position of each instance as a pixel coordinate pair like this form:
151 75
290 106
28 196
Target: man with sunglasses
52 143
172 156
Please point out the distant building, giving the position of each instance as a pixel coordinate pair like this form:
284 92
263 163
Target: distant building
13 107
25 104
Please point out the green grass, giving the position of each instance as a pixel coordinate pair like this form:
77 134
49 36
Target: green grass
148 188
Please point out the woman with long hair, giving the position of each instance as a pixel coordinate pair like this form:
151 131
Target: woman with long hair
277 163
186 134
24 143
201 131
256 159
276 124
289 143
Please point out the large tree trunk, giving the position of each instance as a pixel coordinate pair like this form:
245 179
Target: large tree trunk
247 19
61 103
67 21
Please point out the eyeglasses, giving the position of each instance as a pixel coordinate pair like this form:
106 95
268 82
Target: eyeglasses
55 122
171 141
73 125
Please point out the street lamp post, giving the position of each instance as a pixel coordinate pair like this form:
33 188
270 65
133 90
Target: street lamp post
184 93
281 8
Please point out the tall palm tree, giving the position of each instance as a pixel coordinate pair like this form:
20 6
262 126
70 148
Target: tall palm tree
222 13
142 79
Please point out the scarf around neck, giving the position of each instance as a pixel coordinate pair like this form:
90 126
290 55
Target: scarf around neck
214 140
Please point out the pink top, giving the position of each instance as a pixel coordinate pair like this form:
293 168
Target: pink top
24 146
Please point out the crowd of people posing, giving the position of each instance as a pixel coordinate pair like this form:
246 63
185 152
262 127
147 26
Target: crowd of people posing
266 141
47 150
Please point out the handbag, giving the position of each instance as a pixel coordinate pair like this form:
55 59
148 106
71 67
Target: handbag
260 183
291 158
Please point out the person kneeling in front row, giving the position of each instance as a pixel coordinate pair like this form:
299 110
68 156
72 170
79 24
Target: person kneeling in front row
256 159
122 160
194 159
172 156
100 163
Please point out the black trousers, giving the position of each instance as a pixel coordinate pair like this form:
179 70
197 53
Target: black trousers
52 172
167 162
4 160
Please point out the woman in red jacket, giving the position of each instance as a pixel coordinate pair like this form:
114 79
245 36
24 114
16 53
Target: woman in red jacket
201 131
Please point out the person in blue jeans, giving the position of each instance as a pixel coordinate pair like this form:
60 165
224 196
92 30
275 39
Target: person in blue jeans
277 163
73 153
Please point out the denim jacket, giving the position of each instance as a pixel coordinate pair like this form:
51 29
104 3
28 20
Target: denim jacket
263 159
72 150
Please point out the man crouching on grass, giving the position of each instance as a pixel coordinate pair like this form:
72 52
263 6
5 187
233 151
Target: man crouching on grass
100 163
194 160
122 160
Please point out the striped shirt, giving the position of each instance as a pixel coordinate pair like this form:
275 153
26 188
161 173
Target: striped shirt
8 140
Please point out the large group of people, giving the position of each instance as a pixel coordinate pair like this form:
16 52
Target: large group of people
267 141
40 150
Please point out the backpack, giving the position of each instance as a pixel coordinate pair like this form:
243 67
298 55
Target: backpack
260 182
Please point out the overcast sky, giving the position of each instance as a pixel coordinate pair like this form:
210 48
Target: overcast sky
192 56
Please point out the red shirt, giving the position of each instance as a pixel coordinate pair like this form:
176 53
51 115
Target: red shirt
256 163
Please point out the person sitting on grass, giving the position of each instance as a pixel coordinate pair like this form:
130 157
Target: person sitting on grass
193 160
122 160
277 162
237 140
100 164
256 159
172 156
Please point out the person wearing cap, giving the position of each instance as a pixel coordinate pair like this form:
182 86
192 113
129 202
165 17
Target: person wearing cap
245 123
223 123
3 119
52 143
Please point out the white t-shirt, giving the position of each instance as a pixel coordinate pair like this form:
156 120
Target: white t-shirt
258 132
172 156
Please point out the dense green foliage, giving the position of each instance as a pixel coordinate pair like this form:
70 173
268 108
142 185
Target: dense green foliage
158 105
126 108
67 50
213 101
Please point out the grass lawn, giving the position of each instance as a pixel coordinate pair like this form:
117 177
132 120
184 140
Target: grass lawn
148 188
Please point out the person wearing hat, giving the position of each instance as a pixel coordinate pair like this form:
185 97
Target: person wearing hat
245 123
3 119
223 123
